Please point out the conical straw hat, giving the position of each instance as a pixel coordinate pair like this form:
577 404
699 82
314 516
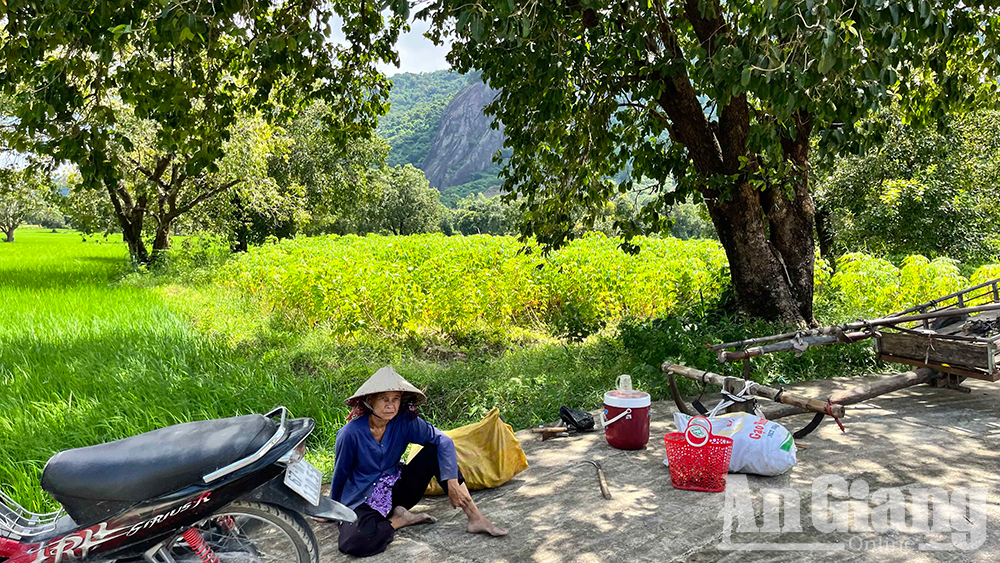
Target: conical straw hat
386 379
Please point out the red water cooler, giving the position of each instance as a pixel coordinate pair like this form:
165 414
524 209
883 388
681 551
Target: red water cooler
626 416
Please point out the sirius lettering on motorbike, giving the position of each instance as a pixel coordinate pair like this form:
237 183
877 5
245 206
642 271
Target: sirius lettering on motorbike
79 544
161 517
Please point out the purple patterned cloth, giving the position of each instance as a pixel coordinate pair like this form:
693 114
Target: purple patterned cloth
381 497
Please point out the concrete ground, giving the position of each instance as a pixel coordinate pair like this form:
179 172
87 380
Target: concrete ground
912 440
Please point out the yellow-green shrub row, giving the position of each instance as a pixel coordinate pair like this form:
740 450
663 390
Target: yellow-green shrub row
457 284
864 285
461 283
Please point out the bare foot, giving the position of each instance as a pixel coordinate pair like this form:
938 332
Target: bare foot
402 518
325 520
484 526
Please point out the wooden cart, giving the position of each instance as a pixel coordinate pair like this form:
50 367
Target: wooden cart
963 345
948 340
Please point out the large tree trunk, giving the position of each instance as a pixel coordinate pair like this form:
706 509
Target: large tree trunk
760 281
10 234
130 217
790 223
767 237
770 255
790 219
161 242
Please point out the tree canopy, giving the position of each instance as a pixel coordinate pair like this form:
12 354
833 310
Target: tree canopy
404 205
332 179
918 191
480 215
191 69
722 97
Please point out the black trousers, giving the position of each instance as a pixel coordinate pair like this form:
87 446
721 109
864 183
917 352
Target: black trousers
372 532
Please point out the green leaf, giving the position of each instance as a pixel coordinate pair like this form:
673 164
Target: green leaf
745 79
825 64
477 28
119 30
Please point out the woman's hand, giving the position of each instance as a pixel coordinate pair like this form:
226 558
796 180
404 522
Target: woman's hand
458 494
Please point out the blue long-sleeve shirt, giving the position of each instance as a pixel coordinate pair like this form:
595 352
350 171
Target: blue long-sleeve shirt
360 461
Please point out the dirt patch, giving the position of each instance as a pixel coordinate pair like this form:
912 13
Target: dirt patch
444 354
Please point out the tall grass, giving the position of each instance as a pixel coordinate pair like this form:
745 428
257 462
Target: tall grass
868 286
84 360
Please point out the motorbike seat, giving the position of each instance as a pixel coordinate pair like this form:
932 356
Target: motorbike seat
154 463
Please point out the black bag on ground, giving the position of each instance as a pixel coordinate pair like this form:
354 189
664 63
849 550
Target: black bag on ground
581 420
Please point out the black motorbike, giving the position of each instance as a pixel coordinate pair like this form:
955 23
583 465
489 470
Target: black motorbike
233 490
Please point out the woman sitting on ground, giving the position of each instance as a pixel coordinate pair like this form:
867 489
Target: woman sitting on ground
368 475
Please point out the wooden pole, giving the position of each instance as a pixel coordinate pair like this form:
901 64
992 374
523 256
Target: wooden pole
878 387
864 391
750 341
786 397
782 411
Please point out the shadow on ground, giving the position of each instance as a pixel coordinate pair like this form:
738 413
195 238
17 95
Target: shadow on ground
921 437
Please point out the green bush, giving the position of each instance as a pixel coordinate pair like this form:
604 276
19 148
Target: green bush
916 191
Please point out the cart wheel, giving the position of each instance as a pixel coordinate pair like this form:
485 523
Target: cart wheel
676 394
808 428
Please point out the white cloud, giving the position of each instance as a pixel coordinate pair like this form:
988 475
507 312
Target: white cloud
417 53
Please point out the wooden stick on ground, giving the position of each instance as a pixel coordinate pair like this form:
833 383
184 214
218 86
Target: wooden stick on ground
549 429
878 387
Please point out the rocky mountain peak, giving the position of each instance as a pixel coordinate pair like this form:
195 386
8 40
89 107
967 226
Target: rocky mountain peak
464 143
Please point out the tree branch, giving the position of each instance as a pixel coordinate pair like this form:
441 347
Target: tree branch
706 28
655 113
187 207
126 198
680 102
734 130
155 176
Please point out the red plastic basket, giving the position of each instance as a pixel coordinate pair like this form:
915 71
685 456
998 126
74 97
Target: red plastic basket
698 462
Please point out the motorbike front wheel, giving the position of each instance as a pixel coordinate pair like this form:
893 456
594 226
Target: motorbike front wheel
251 532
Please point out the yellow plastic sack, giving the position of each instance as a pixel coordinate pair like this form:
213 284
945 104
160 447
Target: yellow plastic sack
488 454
